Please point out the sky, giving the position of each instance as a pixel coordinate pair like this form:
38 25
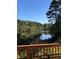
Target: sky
33 10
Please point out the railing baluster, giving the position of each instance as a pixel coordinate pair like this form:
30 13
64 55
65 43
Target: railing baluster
32 54
42 52
58 50
38 53
28 53
45 51
55 49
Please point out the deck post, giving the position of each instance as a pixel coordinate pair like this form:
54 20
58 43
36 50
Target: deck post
28 53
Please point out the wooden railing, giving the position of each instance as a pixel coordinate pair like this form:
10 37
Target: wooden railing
39 51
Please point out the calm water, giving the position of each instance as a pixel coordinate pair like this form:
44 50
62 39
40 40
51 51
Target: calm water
45 36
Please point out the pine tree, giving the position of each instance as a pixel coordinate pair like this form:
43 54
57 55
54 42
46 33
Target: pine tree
54 16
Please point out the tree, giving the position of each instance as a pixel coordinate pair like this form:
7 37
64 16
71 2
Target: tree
28 28
54 16
54 12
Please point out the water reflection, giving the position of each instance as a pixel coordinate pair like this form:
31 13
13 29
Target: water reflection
45 36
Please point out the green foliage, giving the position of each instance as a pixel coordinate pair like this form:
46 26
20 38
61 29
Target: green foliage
28 28
54 13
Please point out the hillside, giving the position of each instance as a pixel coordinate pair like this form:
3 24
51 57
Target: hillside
28 28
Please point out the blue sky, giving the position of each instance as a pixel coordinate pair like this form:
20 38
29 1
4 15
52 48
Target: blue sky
33 10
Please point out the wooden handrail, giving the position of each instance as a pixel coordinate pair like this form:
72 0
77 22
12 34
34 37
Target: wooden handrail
37 45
